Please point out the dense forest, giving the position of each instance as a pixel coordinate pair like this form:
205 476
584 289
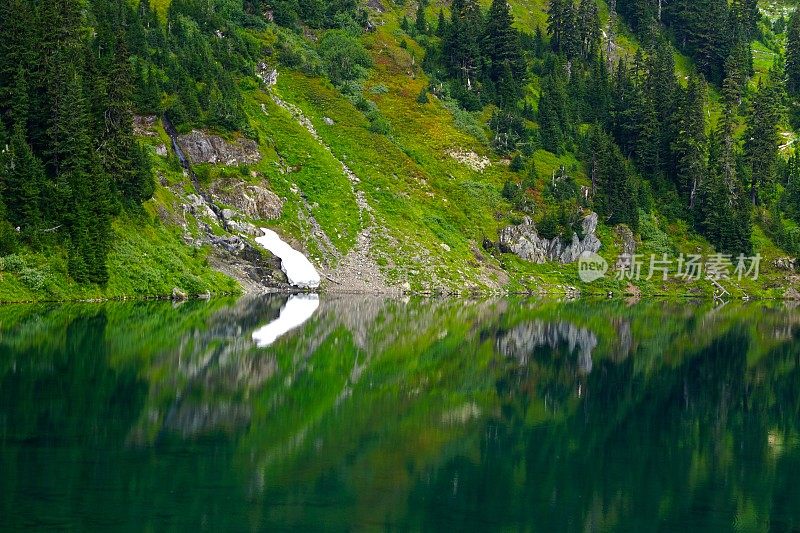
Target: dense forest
704 148
643 133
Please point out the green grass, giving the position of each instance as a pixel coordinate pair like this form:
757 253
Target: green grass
148 260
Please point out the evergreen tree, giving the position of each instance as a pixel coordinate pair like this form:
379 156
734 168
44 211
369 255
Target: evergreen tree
702 29
441 26
689 147
588 26
554 117
119 151
791 195
626 104
23 183
571 38
558 14
598 93
793 55
648 136
761 136
502 50
82 189
613 179
20 101
18 44
660 88
462 43
638 13
421 25
147 95
538 42
738 69
723 212
748 15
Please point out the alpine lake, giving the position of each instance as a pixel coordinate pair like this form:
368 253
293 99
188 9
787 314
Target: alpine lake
358 413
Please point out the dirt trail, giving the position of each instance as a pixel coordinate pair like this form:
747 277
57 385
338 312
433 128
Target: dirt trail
356 271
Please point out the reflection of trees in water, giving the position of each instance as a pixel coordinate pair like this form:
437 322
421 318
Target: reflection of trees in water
690 444
492 412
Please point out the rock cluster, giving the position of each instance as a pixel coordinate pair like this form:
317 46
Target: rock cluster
200 147
266 74
525 242
786 263
145 125
253 201
471 159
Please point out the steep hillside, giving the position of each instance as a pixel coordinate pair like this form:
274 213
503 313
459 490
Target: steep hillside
344 130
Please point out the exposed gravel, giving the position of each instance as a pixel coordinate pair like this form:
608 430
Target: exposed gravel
357 271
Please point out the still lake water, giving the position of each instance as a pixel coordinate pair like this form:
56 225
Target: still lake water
354 413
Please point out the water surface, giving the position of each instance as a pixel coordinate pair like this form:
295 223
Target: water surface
349 413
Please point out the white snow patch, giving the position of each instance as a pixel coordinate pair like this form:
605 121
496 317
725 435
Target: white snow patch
295 265
297 310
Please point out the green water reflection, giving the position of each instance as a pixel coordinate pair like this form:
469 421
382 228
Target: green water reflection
396 414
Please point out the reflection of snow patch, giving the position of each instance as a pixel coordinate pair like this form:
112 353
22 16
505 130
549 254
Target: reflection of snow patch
295 265
298 309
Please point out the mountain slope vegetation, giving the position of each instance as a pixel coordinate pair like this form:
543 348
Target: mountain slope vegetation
401 138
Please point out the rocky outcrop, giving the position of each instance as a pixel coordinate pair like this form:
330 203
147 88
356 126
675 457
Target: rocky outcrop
267 74
200 147
525 242
253 201
626 240
376 5
786 263
145 125
470 159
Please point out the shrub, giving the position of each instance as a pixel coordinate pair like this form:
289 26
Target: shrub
34 279
512 192
343 57
652 235
562 188
548 227
464 120
378 124
294 51
14 263
362 104
517 164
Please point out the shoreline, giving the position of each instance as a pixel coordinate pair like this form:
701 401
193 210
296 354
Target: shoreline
574 294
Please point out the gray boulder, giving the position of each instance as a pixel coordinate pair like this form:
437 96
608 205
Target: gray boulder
525 242
145 125
253 201
200 147
266 74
